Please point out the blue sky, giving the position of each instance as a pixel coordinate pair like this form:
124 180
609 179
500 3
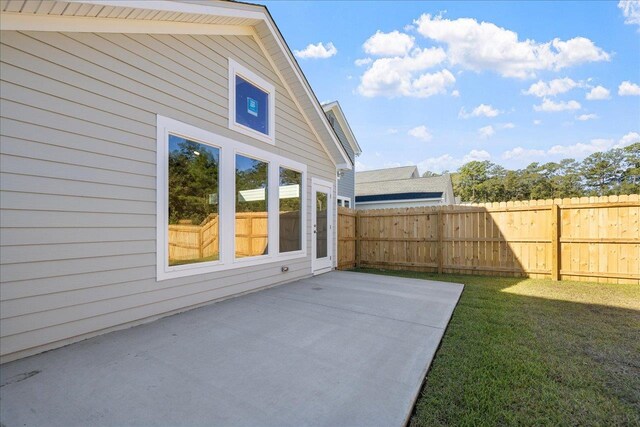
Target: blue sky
437 84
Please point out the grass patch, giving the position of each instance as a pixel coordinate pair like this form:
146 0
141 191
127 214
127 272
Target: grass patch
535 352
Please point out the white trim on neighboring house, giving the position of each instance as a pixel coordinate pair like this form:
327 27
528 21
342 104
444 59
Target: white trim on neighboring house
236 69
341 199
440 199
228 150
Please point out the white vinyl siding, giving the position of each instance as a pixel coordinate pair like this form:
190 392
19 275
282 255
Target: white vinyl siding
78 126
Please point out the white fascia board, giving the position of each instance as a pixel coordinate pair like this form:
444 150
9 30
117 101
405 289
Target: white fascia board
173 6
21 22
344 124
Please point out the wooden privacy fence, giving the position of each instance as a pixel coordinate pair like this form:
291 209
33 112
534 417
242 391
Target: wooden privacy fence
588 238
190 242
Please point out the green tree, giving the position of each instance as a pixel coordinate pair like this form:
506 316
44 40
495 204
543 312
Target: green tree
480 181
631 174
602 172
193 182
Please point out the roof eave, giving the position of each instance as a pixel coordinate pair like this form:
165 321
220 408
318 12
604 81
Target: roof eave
344 123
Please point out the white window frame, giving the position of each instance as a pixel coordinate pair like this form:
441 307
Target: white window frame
227 159
342 199
303 204
235 69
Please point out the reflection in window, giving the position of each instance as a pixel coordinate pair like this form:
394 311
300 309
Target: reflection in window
193 202
252 106
290 210
321 224
251 207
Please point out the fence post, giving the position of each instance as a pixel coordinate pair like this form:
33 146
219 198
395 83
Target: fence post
440 241
357 236
555 242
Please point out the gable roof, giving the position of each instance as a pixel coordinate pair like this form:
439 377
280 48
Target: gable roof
183 17
389 174
434 184
336 109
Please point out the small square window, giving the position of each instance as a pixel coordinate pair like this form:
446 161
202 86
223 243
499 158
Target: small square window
251 103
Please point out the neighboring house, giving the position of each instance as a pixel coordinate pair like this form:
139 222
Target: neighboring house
389 174
401 188
346 179
157 156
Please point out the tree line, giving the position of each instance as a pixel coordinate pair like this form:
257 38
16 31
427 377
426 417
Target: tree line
612 172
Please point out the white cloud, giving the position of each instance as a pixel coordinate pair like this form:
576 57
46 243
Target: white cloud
550 107
537 122
575 151
507 126
485 46
585 117
522 153
628 139
486 131
631 11
480 110
552 88
317 51
476 155
598 93
401 76
362 61
580 149
361 166
627 88
420 132
392 131
394 43
455 93
448 162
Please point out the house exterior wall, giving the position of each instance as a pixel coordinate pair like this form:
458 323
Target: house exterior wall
78 127
347 182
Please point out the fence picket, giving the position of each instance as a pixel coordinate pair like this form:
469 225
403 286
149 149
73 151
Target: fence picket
589 238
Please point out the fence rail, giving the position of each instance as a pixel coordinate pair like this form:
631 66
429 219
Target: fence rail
595 239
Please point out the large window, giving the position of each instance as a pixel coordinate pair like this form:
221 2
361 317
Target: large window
251 103
223 204
252 222
193 201
290 210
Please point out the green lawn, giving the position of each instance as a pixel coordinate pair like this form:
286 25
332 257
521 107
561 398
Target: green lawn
535 352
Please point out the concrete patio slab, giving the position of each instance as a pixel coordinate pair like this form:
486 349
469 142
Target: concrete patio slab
340 349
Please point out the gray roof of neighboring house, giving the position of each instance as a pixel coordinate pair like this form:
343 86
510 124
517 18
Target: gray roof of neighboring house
390 174
434 184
